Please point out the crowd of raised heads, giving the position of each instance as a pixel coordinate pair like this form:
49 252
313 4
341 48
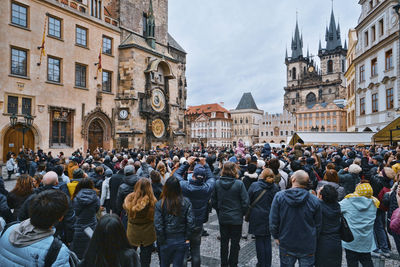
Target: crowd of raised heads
119 207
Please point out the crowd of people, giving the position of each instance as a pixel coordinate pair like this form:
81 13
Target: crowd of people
117 208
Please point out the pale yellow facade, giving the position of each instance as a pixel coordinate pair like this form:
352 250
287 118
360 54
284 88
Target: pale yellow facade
350 76
55 103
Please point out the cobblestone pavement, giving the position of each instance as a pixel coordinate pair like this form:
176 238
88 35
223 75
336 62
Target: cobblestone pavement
247 256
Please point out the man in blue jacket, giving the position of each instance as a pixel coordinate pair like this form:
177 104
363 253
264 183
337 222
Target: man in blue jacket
295 222
198 190
27 243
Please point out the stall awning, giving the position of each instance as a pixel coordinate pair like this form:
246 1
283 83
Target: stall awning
332 138
391 132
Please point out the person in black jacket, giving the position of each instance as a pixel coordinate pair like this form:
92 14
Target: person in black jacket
115 181
5 211
198 190
109 245
231 201
258 223
174 224
156 184
381 182
65 228
329 244
393 205
86 203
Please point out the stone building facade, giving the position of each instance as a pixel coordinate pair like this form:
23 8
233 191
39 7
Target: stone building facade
309 85
377 65
71 102
276 128
111 75
210 124
152 94
246 121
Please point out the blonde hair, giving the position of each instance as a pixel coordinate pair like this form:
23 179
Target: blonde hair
267 175
161 168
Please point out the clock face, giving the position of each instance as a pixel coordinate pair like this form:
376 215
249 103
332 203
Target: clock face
123 114
158 128
311 69
158 100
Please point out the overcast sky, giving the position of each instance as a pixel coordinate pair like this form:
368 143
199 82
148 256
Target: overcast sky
237 46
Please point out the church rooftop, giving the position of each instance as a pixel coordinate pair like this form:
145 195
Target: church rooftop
247 102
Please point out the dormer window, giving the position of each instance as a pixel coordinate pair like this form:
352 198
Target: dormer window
213 114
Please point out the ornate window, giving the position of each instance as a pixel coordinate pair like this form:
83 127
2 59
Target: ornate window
311 100
61 127
330 66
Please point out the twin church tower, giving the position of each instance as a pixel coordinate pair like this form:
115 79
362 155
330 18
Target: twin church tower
312 89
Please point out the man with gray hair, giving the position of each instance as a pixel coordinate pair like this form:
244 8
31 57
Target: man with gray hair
65 228
295 221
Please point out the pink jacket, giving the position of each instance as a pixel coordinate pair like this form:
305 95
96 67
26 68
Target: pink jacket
395 221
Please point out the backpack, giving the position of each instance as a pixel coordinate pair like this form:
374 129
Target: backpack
381 196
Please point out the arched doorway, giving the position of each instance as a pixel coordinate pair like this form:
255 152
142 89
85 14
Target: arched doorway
96 135
13 140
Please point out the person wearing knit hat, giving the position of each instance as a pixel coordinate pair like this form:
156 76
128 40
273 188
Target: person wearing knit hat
349 178
359 209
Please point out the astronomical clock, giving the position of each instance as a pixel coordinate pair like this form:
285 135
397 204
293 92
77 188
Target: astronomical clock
155 106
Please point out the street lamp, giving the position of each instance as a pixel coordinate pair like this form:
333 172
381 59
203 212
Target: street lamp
28 121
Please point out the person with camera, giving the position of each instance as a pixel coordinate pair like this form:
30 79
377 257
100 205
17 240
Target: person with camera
198 190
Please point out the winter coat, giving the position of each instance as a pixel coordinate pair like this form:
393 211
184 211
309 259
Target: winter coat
360 213
348 181
125 189
284 180
140 230
266 151
15 202
5 211
29 256
393 205
33 168
144 171
339 189
395 222
259 224
65 228
197 191
114 183
86 204
105 191
295 219
157 189
248 179
10 165
329 248
378 183
230 200
127 258
170 226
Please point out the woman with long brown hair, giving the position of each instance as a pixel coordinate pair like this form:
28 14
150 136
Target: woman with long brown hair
174 223
162 169
22 190
331 178
140 206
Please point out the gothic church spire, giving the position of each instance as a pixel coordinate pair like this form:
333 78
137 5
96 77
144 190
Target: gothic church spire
332 35
297 43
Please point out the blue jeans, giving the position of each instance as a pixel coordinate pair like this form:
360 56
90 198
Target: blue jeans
288 260
195 242
381 240
173 251
264 250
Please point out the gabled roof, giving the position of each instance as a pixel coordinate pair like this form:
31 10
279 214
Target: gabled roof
247 102
206 108
174 44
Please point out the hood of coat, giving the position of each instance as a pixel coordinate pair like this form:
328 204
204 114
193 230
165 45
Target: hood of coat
361 203
86 196
264 185
227 182
296 196
322 183
131 179
26 234
252 175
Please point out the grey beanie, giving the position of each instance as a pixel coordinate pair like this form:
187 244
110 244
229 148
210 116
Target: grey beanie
108 173
129 169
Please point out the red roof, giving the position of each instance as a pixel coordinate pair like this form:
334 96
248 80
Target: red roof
206 108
